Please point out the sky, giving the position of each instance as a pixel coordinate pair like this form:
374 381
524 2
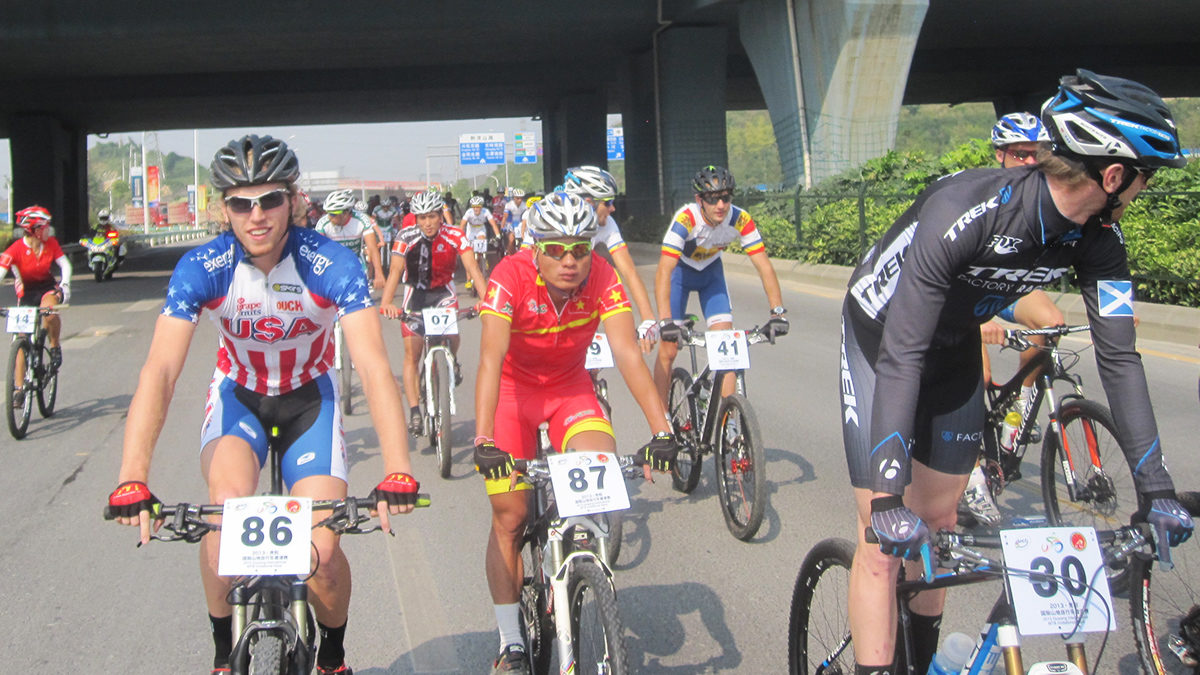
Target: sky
392 151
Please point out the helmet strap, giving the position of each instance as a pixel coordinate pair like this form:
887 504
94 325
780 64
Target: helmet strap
1113 201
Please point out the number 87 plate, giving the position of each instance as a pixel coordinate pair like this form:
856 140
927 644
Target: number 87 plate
587 482
265 535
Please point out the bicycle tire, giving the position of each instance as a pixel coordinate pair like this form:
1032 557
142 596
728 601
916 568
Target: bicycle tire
344 379
268 655
819 620
18 418
593 605
616 523
536 625
47 387
1159 611
440 435
740 463
685 475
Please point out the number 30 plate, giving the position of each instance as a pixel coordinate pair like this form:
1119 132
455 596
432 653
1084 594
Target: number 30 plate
587 482
265 535
1065 561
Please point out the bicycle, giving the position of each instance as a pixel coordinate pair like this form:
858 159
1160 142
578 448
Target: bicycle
1166 614
819 638
29 356
568 592
437 376
273 624
599 356
730 430
344 368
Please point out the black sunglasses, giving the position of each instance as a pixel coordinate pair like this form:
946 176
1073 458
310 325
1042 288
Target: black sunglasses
714 199
266 201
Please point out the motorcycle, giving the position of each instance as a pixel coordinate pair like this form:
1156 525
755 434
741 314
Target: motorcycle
102 254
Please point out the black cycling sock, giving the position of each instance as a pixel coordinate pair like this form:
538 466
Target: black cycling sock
872 670
414 410
925 632
331 653
222 633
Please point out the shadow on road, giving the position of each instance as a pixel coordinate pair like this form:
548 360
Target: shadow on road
475 652
655 633
66 419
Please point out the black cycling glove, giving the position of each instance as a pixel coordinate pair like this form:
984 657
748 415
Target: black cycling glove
669 331
776 326
659 453
493 462
901 532
397 489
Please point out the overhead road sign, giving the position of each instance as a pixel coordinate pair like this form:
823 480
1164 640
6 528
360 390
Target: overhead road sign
616 143
474 149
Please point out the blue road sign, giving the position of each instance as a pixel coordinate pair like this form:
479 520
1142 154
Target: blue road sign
616 143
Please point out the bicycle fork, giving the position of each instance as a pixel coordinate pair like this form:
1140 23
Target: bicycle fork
557 569
430 390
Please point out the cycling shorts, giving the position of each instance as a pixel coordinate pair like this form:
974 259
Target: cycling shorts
950 411
570 408
1009 313
308 419
33 293
417 299
709 284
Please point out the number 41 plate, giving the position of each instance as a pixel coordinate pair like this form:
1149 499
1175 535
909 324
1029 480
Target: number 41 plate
587 482
727 349
265 535
1068 580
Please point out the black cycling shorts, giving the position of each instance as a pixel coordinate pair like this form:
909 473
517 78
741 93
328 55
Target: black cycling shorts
33 293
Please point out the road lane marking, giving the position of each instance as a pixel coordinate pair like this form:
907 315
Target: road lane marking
417 595
88 337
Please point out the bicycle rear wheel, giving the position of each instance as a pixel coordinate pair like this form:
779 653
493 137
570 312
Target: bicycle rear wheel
1165 613
18 398
819 626
741 467
595 623
441 373
47 389
535 617
686 473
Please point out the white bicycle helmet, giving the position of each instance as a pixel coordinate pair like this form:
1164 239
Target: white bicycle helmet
361 206
426 202
516 192
339 200
475 201
590 181
103 215
561 214
1018 127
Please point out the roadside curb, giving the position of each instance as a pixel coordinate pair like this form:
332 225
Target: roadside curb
1168 323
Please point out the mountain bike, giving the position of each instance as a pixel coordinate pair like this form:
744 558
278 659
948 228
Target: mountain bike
273 624
819 638
568 598
30 371
729 429
344 368
438 375
1166 613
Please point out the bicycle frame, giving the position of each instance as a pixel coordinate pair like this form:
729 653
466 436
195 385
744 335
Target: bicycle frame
433 345
705 415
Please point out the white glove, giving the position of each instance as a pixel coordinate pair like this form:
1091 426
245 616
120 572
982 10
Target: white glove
66 291
648 330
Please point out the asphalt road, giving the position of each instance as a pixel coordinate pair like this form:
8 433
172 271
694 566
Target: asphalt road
81 598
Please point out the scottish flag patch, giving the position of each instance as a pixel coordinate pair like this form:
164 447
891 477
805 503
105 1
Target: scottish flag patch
1115 297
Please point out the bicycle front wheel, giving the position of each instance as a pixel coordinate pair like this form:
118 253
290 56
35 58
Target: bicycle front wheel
1086 444
819 627
268 655
595 624
441 373
686 473
741 467
47 386
1165 614
19 395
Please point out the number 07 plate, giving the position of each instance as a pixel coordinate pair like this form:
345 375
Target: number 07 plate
587 482
265 535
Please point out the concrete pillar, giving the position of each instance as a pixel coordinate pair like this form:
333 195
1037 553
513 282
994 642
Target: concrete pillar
692 102
854 57
49 164
579 123
641 146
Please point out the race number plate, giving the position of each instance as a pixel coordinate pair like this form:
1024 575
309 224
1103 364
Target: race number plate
21 319
266 535
1067 586
479 245
587 482
599 354
727 349
440 320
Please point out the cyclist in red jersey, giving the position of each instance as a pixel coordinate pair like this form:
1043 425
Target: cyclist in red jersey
425 258
542 307
30 258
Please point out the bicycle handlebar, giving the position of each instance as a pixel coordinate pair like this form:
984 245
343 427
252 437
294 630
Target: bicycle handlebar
185 522
416 321
1019 339
689 337
537 471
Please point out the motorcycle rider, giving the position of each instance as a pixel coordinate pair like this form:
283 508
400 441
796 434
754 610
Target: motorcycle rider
105 228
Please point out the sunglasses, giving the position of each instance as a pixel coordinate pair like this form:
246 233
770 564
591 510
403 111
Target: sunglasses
604 202
558 249
713 200
266 201
335 213
1021 155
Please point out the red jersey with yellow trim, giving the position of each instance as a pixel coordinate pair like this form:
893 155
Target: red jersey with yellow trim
697 244
549 347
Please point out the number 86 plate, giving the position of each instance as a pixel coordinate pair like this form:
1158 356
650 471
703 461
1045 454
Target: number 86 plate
265 535
587 482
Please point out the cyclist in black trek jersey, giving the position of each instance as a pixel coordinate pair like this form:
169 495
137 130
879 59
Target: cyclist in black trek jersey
969 246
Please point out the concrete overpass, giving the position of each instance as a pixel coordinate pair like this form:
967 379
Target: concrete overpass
671 68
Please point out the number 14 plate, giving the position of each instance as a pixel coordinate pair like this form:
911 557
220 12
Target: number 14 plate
20 319
587 482
265 535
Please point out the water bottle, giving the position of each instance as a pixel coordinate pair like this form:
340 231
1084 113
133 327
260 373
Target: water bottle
952 657
1008 432
704 393
992 660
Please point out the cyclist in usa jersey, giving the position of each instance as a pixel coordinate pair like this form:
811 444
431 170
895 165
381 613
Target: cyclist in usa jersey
353 230
691 261
274 291
542 308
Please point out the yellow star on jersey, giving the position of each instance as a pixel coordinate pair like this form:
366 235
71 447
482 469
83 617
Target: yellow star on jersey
579 304
616 296
491 294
